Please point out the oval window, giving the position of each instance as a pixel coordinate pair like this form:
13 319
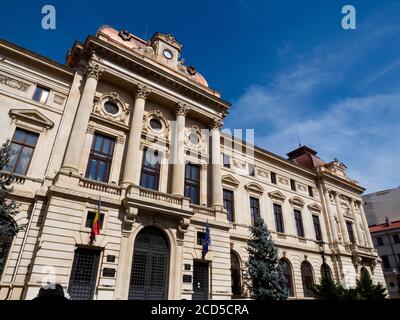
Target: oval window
155 124
111 107
193 138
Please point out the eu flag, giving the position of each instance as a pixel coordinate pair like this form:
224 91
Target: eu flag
207 240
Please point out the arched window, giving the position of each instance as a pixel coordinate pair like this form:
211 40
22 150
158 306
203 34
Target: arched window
307 278
236 275
326 271
7 232
364 271
287 273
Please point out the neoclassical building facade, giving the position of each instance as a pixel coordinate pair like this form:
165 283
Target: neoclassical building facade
125 125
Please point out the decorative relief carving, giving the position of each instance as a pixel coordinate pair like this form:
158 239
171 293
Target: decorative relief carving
94 71
216 123
142 91
165 127
302 187
58 99
90 128
195 132
122 115
283 181
14 83
120 139
262 173
239 164
182 109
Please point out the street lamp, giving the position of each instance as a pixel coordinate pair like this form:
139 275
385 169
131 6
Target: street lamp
321 244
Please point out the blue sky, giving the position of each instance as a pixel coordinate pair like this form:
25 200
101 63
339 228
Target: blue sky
281 63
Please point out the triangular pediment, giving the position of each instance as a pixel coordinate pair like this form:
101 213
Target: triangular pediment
31 116
255 187
230 179
297 201
277 195
314 207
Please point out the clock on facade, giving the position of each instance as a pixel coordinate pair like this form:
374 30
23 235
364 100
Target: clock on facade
168 54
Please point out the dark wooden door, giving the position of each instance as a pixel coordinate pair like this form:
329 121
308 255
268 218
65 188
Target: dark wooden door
82 283
200 280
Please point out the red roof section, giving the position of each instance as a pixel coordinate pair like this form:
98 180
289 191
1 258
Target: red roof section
384 226
305 157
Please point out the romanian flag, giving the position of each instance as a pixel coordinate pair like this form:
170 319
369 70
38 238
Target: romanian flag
96 223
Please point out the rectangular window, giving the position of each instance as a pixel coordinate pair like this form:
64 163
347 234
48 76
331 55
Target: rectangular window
226 160
100 158
150 176
317 227
254 208
292 184
201 237
90 218
251 170
41 94
310 191
229 204
379 241
386 262
273 178
192 182
22 147
299 223
278 218
349 227
396 238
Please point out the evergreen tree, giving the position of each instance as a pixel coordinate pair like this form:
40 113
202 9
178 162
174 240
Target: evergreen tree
328 289
265 277
367 290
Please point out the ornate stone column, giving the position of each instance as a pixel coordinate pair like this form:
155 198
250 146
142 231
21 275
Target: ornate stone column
133 165
216 187
341 220
332 222
356 222
76 140
365 224
178 172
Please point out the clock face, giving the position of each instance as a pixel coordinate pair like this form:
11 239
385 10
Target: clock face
168 54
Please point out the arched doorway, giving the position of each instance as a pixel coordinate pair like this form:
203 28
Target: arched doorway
7 233
236 275
149 273
287 273
307 278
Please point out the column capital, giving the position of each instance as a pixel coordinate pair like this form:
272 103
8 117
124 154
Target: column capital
182 109
94 71
142 91
216 123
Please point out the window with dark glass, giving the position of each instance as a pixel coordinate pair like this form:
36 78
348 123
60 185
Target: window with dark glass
150 176
100 158
299 223
379 241
288 277
386 262
278 218
229 204
310 191
201 237
273 178
292 184
111 107
7 233
90 219
350 232
326 271
317 227
254 209
396 238
251 170
41 94
192 182
226 160
22 147
236 275
307 278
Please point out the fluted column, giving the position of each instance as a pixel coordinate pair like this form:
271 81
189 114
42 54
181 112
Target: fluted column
366 228
133 164
77 139
341 220
356 222
216 187
332 222
178 172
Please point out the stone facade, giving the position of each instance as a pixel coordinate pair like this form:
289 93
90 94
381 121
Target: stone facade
146 81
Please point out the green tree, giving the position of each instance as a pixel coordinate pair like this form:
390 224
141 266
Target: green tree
367 290
265 277
328 289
